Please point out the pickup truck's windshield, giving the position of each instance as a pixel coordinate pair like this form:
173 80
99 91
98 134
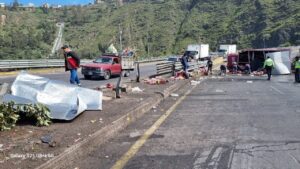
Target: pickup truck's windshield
104 60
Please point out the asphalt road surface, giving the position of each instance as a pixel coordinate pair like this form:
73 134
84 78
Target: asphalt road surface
232 123
145 70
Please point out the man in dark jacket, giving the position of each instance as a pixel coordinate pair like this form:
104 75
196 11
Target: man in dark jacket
185 64
72 62
222 70
209 66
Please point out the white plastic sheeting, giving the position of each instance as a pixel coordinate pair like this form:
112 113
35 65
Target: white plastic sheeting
64 100
282 62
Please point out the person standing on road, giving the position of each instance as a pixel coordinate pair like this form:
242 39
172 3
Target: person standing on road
185 64
297 69
209 66
72 62
269 65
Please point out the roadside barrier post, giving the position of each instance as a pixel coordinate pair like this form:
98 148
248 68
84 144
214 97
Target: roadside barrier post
118 86
138 72
174 69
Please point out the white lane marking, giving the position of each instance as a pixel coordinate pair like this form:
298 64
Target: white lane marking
277 90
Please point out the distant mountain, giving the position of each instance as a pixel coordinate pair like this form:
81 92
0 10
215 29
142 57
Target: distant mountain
162 27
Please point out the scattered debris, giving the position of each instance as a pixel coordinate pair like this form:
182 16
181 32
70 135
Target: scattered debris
52 144
154 108
156 81
134 134
75 141
93 121
180 75
35 141
175 95
1 145
78 134
249 81
106 98
30 131
106 156
194 83
100 88
258 73
125 88
136 90
47 138
109 86
219 91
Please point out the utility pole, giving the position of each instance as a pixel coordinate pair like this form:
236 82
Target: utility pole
148 50
120 32
148 46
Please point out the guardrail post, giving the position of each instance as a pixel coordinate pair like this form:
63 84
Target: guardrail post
138 72
174 69
118 86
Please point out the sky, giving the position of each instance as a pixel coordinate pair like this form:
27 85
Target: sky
53 2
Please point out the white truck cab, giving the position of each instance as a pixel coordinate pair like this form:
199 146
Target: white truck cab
198 51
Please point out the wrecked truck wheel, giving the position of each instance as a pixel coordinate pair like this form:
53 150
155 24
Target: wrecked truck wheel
106 75
87 77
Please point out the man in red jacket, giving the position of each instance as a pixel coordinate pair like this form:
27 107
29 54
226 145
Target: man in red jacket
72 62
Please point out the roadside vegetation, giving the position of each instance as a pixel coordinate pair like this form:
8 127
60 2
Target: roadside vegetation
152 28
11 113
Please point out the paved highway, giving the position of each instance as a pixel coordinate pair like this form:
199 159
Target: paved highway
232 123
146 69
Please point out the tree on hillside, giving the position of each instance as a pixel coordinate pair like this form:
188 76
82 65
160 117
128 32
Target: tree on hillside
15 5
102 47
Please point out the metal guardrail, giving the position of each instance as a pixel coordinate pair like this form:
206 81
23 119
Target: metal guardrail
157 59
18 64
48 63
170 68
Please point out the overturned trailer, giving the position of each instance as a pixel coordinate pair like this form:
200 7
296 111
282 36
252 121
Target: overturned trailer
255 57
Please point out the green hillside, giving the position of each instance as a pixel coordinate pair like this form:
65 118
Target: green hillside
161 27
26 35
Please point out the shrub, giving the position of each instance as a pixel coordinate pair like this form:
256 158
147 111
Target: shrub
10 114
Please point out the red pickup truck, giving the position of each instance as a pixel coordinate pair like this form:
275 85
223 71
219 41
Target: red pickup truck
104 67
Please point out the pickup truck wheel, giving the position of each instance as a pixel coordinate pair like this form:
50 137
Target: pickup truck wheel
107 75
126 74
87 76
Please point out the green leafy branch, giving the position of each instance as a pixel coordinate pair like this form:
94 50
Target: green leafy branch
10 114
